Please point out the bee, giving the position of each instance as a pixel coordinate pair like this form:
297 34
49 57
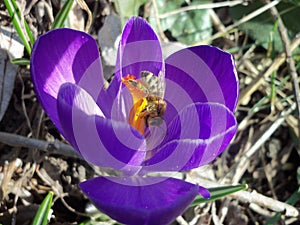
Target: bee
147 93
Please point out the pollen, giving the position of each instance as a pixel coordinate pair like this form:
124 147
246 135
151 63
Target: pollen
138 93
129 77
136 118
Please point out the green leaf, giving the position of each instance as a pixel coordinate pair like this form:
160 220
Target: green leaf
129 8
19 23
62 15
293 1
187 27
41 217
24 21
260 27
219 192
21 61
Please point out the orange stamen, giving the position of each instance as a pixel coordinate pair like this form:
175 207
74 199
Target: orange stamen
139 102
135 118
129 77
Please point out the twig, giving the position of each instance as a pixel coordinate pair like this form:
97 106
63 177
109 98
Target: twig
270 203
244 161
181 221
219 26
262 211
23 103
279 60
56 147
202 6
160 30
241 21
49 11
39 125
215 217
7 175
289 59
216 20
71 209
268 174
94 13
84 6
224 210
29 7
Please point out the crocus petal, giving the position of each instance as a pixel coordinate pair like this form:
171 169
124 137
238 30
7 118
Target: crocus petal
64 55
137 200
71 97
200 74
99 140
139 50
210 126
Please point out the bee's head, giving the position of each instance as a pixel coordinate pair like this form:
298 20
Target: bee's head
129 80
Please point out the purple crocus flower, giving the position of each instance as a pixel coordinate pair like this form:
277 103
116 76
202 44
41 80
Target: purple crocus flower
125 126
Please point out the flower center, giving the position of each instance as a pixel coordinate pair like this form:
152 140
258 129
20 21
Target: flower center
148 108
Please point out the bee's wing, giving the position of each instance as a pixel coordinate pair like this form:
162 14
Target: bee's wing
155 84
137 89
161 84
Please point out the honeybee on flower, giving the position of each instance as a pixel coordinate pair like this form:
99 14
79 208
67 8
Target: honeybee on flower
147 92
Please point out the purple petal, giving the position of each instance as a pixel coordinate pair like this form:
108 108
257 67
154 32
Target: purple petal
60 56
99 140
200 74
204 192
194 138
116 102
136 200
139 50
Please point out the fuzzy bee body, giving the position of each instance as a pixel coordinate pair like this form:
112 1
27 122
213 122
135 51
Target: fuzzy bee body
147 94
154 112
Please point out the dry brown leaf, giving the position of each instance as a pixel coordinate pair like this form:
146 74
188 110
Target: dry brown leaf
76 17
10 48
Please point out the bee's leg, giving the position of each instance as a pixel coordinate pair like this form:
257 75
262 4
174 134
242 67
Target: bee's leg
146 118
143 113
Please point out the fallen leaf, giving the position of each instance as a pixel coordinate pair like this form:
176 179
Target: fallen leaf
108 38
10 48
76 17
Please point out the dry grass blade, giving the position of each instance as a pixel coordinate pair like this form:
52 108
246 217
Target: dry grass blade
157 17
279 60
84 6
244 161
7 177
289 59
202 6
241 21
261 200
